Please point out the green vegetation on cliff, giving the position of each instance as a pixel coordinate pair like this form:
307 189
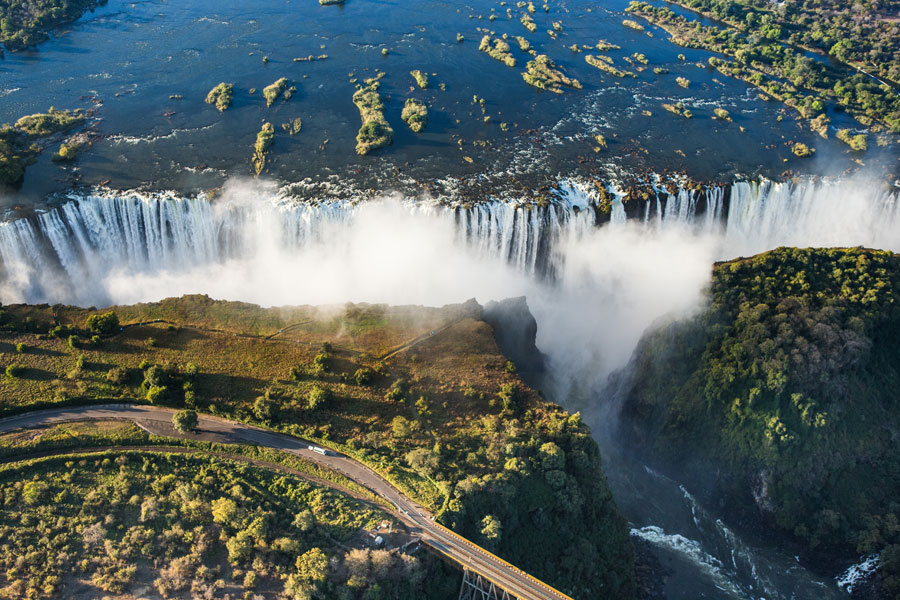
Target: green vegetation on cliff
26 22
439 414
784 389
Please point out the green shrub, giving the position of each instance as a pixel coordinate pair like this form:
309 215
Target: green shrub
14 370
185 420
104 324
398 391
317 397
322 362
157 394
117 375
364 376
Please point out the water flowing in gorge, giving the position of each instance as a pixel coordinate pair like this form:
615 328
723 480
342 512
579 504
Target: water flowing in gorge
596 274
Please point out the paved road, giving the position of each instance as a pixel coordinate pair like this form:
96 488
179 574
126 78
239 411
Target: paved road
158 420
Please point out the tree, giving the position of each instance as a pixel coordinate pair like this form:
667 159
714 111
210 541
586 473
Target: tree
264 408
185 420
154 376
225 511
400 427
508 394
422 461
304 521
296 589
491 528
312 565
157 394
553 457
321 363
364 376
104 324
317 396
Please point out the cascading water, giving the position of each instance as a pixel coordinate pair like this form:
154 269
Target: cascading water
594 282
92 236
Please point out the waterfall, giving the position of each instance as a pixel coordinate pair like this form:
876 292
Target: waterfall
50 256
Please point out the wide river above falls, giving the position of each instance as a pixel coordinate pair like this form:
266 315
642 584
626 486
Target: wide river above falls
143 69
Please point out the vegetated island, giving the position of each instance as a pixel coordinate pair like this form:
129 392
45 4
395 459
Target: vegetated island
28 22
761 57
864 36
264 140
221 96
423 396
780 400
18 143
543 74
415 114
279 89
375 131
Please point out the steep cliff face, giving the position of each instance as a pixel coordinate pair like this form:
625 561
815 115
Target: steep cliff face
781 398
515 330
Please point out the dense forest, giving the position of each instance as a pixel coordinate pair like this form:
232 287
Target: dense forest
26 23
758 55
863 33
783 393
193 526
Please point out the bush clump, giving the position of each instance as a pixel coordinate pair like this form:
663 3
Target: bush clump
264 140
221 96
415 114
802 150
375 131
185 420
281 88
543 74
856 142
104 324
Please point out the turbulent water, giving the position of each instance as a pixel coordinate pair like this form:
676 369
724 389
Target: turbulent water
106 236
595 283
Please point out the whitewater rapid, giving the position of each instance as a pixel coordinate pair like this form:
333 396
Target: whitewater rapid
595 278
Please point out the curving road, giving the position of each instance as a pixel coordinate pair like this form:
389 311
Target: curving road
158 421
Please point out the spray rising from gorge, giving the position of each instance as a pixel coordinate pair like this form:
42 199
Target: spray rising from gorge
594 280
138 247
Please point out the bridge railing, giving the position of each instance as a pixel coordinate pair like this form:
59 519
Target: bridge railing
518 571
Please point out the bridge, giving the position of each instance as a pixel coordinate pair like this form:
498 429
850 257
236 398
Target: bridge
485 575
